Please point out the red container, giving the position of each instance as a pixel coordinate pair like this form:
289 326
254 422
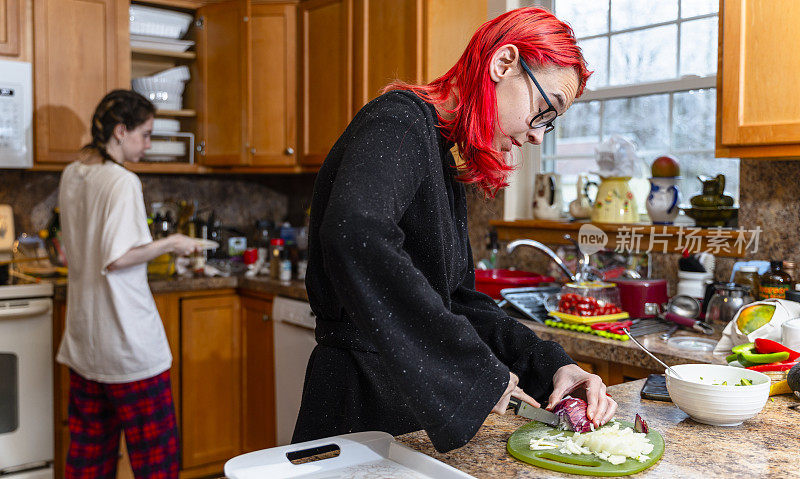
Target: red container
491 281
641 298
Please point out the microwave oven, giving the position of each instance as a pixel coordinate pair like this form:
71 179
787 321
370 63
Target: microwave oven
16 114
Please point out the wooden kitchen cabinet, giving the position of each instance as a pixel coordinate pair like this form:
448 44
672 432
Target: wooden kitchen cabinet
222 95
81 51
211 384
272 85
326 76
11 27
258 374
758 104
351 49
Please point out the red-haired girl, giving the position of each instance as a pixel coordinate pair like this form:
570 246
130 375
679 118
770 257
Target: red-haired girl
404 340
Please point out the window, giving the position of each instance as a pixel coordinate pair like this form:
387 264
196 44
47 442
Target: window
655 65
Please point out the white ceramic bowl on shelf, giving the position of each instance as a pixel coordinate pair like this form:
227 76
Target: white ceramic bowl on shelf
700 395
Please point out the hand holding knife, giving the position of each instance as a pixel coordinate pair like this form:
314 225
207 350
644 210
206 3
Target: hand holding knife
521 408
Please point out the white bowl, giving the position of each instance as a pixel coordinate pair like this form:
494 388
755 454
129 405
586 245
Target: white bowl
705 402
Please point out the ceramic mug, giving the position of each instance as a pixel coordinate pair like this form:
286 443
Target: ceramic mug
547 197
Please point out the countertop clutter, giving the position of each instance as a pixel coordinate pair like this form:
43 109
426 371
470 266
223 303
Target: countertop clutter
764 446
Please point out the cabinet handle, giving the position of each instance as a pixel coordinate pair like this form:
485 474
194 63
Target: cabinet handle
201 148
265 318
200 23
252 151
289 151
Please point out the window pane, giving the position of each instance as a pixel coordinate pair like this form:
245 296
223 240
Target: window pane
705 164
691 8
699 47
643 120
586 17
637 13
645 55
693 120
579 129
595 52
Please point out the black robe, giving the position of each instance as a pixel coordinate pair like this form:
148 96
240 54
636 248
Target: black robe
404 340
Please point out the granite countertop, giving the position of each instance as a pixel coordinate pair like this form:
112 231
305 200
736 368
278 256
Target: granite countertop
765 446
171 284
625 351
583 344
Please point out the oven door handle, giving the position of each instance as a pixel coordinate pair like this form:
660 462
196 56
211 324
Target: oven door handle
33 309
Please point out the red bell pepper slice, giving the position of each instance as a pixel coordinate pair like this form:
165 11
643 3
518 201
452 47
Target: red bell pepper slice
784 366
765 346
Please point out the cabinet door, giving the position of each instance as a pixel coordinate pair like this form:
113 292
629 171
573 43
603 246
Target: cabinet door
388 45
10 27
759 58
169 308
210 380
81 52
326 99
273 84
449 25
258 408
222 87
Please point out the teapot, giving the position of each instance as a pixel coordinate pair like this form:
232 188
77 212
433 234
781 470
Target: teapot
713 194
547 197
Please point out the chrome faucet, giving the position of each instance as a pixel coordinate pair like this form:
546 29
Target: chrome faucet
584 272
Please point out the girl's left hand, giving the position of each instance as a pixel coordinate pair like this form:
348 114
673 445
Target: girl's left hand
571 378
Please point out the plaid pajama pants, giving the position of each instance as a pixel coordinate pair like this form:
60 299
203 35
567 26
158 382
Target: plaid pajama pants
99 411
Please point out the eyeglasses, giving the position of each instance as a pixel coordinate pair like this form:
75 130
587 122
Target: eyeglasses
545 118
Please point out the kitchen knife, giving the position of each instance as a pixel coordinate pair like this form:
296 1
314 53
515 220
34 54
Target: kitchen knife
521 408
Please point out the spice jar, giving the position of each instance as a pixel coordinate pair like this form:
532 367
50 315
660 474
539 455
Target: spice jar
775 282
748 276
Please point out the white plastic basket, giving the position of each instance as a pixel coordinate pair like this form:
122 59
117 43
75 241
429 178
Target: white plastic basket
158 22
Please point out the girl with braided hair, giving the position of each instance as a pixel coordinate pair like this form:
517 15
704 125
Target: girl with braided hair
114 342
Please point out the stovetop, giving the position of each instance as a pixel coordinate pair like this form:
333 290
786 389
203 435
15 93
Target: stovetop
17 288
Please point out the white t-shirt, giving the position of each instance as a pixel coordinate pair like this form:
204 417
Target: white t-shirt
113 331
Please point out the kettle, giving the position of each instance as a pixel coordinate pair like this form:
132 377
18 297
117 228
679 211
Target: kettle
726 301
547 198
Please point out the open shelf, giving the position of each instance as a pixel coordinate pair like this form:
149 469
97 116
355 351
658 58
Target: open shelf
638 237
176 113
152 52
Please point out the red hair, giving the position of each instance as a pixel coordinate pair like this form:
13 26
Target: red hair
541 39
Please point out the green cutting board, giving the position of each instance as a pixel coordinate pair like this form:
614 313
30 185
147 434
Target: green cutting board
586 464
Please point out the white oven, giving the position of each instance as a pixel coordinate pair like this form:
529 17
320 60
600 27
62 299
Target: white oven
26 381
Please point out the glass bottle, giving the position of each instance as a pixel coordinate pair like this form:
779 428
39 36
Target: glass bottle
789 268
275 257
775 282
747 276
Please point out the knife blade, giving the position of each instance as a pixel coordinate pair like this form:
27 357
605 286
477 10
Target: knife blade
521 408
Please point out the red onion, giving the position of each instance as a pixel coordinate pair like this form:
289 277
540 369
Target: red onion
572 412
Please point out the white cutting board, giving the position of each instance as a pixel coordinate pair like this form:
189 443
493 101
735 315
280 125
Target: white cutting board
362 455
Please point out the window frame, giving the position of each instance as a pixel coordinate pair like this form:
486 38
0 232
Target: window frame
543 158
